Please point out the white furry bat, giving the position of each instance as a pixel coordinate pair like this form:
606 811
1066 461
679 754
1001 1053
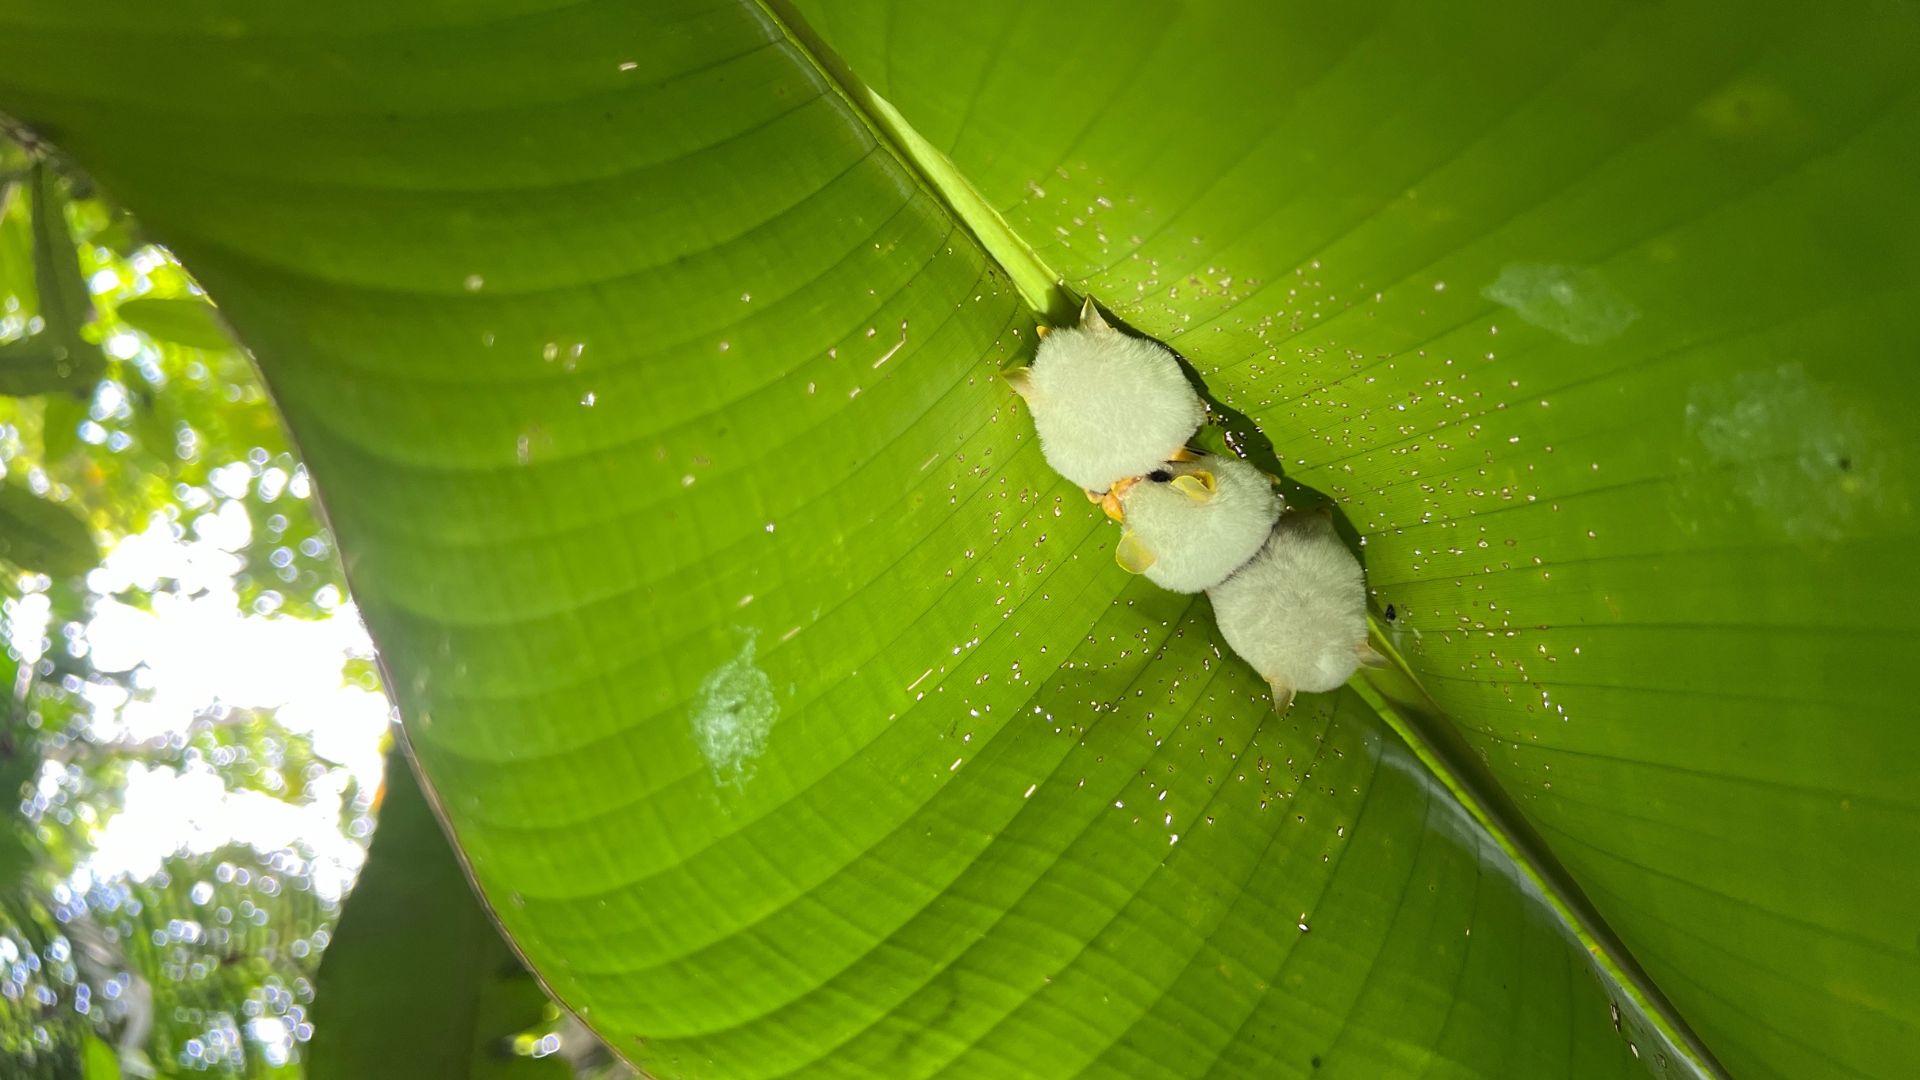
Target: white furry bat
1106 405
1297 611
1191 523
1287 594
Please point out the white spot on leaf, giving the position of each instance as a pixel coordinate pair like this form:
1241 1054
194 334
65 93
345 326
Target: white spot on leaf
1814 465
1574 302
733 715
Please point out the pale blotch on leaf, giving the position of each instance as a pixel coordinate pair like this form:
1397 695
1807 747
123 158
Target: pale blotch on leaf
733 715
1574 302
1753 111
1810 462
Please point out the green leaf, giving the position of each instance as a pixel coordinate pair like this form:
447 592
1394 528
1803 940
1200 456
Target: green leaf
16 248
417 982
193 323
65 304
60 419
31 366
99 1061
18 765
1596 320
27 365
791 713
39 534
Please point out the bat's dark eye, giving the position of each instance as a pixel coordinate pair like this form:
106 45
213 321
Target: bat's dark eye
1159 476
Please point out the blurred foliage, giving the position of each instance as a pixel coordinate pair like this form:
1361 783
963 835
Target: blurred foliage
205 966
155 424
172 433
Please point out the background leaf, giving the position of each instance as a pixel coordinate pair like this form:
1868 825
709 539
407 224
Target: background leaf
100 1062
32 366
417 981
39 534
17 766
57 357
65 304
193 323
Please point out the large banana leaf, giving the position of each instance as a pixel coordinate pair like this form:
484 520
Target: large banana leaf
794 717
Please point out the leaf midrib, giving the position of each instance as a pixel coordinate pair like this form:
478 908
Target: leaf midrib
1039 285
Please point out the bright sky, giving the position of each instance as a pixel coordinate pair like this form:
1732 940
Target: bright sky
200 650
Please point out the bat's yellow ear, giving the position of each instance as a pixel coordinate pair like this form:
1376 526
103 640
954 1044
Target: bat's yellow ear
1110 502
1131 554
1282 695
1184 454
1198 485
1091 319
1021 379
1041 331
1368 657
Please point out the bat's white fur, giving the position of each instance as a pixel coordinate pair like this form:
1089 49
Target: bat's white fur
1197 537
1298 610
1107 405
